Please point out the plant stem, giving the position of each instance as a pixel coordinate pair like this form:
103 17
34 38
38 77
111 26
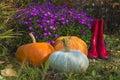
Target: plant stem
33 38
65 44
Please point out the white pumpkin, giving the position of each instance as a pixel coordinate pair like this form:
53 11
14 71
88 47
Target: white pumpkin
71 61
68 60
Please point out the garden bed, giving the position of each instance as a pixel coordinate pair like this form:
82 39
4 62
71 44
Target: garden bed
47 24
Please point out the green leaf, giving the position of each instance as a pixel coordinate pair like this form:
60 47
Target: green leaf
7 32
93 73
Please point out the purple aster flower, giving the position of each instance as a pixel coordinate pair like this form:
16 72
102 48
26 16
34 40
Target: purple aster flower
83 13
48 13
51 27
48 21
32 32
33 14
52 21
38 21
57 22
45 14
56 35
40 27
61 18
45 29
67 21
82 22
30 28
89 26
30 19
52 16
83 32
41 36
45 34
55 16
36 37
49 33
26 22
52 42
63 22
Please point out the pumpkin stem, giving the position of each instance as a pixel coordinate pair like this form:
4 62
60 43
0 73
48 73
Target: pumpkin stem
33 38
65 43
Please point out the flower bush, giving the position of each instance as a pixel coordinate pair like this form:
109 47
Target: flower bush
47 22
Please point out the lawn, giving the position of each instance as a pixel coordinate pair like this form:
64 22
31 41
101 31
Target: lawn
98 69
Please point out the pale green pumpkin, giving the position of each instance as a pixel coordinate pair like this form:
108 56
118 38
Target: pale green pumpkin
68 61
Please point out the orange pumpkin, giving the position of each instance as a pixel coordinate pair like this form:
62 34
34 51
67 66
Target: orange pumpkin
73 42
35 53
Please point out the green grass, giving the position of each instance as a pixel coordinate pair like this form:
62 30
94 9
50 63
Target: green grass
98 69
